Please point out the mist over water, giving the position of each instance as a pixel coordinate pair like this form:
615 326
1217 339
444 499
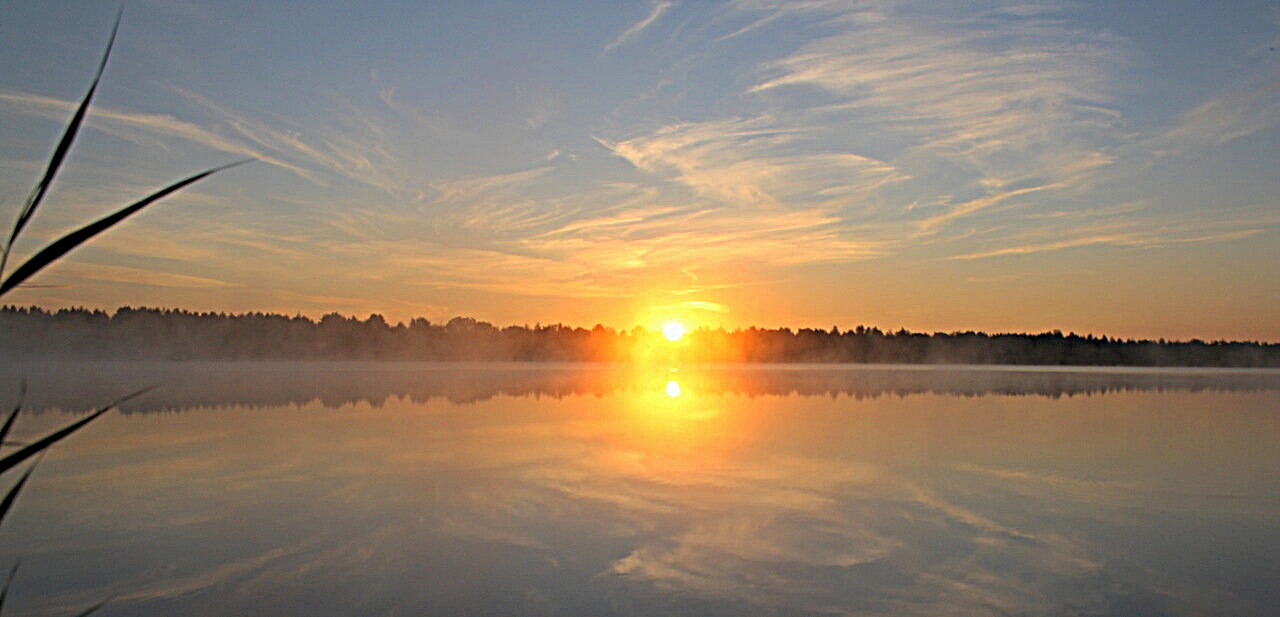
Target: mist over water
77 386
350 488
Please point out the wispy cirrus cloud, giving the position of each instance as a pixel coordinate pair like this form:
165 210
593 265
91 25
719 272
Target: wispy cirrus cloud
897 123
659 7
520 231
140 276
697 305
1131 227
1011 102
358 154
496 203
754 162
921 123
761 136
141 128
1221 120
611 258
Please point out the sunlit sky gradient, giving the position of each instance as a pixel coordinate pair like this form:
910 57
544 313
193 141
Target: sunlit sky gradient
1103 167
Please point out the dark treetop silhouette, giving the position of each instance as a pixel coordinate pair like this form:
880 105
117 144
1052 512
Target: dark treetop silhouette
161 334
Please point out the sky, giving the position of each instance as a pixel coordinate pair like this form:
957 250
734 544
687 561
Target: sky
1098 167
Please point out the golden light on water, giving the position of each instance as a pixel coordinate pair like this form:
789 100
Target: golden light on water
670 417
673 331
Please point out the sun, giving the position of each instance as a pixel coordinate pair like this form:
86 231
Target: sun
673 331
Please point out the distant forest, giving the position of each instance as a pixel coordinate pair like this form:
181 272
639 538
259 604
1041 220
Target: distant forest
168 334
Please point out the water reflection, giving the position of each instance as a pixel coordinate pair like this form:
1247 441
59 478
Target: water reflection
549 491
193 385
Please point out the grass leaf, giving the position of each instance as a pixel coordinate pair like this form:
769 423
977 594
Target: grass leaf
38 446
12 495
8 582
61 246
59 153
93 609
8 423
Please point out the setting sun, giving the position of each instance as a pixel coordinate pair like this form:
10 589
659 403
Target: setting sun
673 331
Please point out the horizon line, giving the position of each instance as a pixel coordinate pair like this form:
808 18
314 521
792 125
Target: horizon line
866 328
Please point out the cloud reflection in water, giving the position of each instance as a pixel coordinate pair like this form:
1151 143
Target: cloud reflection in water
553 490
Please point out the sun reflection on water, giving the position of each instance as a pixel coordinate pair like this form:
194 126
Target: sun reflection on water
671 420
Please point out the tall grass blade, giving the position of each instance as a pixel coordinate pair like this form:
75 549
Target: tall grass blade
93 609
38 446
13 415
61 246
8 582
12 495
59 153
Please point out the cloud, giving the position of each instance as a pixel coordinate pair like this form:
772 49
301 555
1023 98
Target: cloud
879 127
825 536
1126 227
1222 120
139 128
697 305
780 134
353 143
330 150
753 162
999 96
467 190
996 197
702 236
1123 239
659 7
138 276
601 258
892 124
216 576
541 105
520 232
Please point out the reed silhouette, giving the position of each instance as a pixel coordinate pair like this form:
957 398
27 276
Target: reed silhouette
46 257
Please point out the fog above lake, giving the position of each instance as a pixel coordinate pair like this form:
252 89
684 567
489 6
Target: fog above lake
72 386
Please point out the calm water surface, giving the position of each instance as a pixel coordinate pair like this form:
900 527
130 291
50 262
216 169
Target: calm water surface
358 489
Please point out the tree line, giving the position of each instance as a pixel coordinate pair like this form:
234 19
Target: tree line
174 334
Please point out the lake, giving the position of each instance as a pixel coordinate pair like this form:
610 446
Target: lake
535 489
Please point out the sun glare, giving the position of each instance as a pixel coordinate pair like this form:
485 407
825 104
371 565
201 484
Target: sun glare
673 331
